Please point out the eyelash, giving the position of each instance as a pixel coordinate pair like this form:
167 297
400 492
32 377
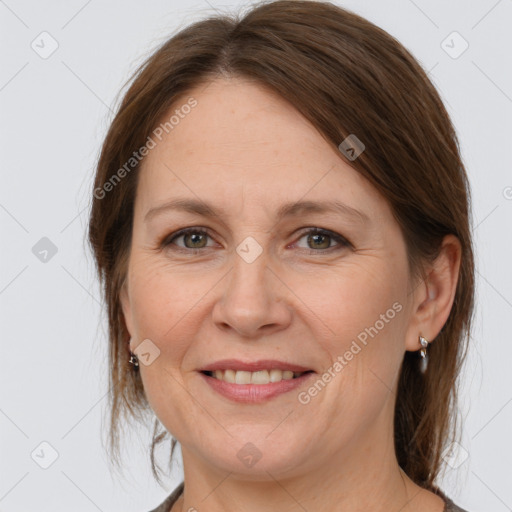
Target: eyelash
343 242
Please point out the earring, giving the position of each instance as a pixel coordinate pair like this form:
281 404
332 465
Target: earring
133 358
423 354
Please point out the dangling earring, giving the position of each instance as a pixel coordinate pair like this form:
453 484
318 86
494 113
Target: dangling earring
423 354
133 358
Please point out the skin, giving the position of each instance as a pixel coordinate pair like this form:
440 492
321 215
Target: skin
247 151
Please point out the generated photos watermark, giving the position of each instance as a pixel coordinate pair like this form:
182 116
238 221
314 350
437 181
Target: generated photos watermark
305 397
151 143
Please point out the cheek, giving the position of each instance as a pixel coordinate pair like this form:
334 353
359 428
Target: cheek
163 300
364 300
340 304
166 305
365 312
162 308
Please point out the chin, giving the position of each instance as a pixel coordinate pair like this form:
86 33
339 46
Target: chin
255 460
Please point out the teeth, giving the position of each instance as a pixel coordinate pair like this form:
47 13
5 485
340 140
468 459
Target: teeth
229 375
242 377
259 377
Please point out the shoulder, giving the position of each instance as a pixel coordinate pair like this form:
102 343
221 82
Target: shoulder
450 505
166 505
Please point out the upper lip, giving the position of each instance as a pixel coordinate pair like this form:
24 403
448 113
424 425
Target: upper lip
253 366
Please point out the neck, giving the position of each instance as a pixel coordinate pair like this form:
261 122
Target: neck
360 475
365 476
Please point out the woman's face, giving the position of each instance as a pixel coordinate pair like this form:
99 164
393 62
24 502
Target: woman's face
261 286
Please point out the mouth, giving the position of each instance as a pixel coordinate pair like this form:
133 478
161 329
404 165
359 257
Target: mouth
254 382
260 377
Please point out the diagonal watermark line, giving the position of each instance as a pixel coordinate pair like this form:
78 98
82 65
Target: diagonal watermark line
279 424
334 334
217 486
86 86
307 192
286 491
497 291
81 285
13 423
14 486
424 14
14 76
486 14
14 14
177 177
432 68
82 418
382 382
13 217
395 379
473 437
13 279
488 215
298 201
198 403
197 302
506 505
492 81
73 219
406 504
75 15
81 491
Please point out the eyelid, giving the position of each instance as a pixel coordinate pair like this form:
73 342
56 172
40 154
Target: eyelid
181 232
341 240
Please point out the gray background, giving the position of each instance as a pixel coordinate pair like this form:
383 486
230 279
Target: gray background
54 114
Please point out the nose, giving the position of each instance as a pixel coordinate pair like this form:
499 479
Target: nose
253 302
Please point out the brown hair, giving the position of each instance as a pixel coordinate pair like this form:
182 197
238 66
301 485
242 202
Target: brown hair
346 76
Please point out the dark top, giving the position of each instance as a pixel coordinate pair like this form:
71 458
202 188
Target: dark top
166 505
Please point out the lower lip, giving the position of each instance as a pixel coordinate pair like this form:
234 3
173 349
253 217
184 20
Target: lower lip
254 393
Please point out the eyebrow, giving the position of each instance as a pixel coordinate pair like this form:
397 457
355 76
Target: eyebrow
286 210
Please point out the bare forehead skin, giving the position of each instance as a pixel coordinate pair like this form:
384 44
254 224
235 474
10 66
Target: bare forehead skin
243 144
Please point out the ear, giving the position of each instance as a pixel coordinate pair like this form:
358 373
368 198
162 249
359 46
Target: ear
433 297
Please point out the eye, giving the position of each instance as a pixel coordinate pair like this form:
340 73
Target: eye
320 240
195 239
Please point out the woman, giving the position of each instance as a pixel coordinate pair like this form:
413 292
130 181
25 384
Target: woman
281 225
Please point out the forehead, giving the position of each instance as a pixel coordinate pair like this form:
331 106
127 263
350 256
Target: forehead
242 139
239 118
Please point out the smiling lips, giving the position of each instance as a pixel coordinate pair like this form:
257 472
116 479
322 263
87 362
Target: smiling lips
254 372
254 381
259 377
